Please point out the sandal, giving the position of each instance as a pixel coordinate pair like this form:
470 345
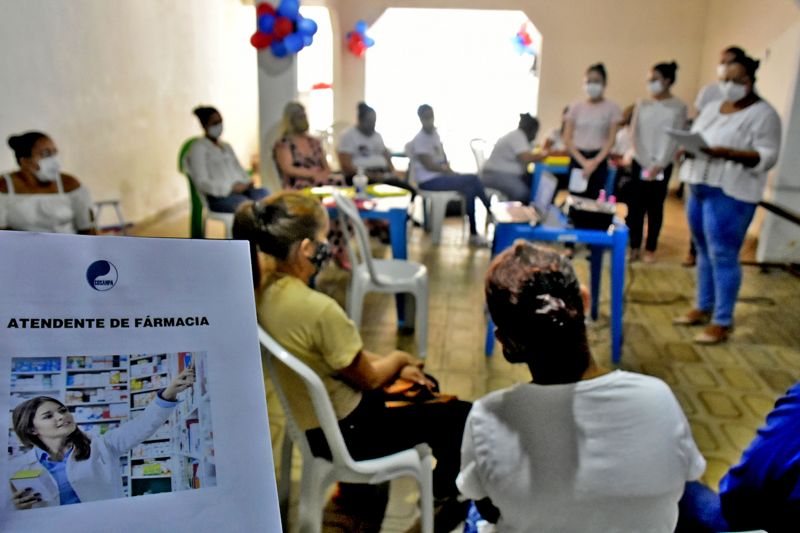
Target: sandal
713 334
695 317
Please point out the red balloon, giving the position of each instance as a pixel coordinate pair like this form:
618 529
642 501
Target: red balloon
263 8
283 27
261 40
357 48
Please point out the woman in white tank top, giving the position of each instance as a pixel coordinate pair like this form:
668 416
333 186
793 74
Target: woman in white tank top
38 197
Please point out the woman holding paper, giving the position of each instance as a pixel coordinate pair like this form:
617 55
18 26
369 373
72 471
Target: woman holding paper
64 466
726 181
653 151
590 132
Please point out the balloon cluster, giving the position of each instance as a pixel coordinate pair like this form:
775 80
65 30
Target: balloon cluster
357 40
523 43
283 30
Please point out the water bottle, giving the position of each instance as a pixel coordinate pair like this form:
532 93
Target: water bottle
360 183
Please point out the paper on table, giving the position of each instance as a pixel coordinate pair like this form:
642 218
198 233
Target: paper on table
691 141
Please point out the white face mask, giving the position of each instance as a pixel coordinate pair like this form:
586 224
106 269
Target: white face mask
732 92
721 68
49 169
655 87
593 90
215 131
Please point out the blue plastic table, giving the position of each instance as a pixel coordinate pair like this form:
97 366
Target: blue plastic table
615 239
393 209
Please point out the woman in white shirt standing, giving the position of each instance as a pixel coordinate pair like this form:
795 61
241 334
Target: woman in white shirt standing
653 151
214 168
38 197
590 133
580 448
726 182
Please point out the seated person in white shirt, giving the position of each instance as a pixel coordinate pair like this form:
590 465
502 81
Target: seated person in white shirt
432 171
507 167
38 197
214 168
362 148
580 448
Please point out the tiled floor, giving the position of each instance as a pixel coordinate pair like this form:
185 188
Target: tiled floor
725 390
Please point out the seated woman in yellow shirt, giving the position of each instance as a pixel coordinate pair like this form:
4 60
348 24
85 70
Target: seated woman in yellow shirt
291 228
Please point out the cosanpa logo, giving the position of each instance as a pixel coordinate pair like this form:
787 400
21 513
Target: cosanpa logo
101 275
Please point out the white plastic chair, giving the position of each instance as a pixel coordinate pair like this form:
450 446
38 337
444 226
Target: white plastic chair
122 225
225 218
395 276
478 147
435 202
318 473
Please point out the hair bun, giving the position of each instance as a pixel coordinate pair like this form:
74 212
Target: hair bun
13 142
674 65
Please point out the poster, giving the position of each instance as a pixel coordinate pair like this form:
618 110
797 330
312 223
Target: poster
96 334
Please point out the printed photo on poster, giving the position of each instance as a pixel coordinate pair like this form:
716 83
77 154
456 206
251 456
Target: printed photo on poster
97 427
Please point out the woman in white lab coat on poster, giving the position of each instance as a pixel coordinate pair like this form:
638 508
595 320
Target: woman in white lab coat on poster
64 466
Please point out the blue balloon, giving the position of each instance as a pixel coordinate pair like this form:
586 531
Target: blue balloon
266 23
278 49
307 40
306 26
361 27
369 41
293 42
289 9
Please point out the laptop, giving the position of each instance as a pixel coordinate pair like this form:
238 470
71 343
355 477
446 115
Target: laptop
546 212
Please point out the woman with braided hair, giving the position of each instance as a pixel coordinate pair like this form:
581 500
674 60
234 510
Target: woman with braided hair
581 447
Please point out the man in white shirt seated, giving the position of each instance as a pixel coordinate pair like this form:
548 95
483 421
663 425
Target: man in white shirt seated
507 167
581 447
432 171
214 168
362 148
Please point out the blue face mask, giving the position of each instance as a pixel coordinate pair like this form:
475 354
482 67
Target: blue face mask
322 254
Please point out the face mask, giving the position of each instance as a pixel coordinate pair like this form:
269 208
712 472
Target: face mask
732 92
721 68
593 90
321 255
49 169
215 131
655 87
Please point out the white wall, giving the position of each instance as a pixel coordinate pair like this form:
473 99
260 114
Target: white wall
114 83
627 35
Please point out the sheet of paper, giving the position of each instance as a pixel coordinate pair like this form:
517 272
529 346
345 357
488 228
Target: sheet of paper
690 141
101 324
577 182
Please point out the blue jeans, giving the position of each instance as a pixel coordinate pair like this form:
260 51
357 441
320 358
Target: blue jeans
469 185
719 224
699 510
229 204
